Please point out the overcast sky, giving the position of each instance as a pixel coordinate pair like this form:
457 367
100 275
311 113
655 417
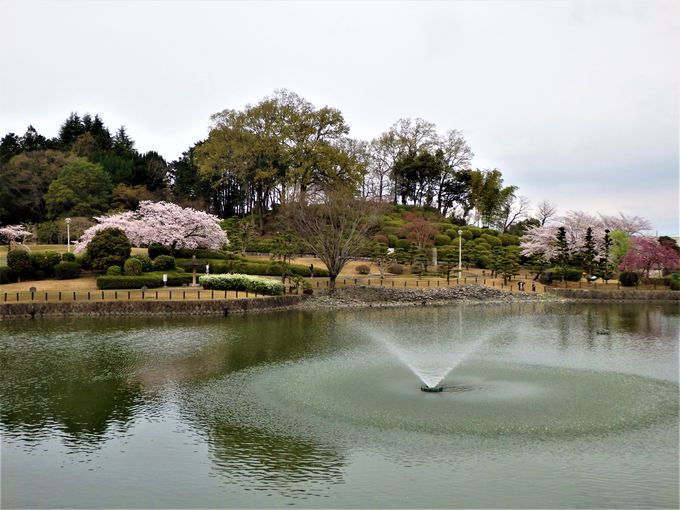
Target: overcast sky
575 102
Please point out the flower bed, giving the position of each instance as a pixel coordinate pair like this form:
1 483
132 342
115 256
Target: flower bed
242 282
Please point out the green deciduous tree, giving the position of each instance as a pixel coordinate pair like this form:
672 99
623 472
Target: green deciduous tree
25 179
81 189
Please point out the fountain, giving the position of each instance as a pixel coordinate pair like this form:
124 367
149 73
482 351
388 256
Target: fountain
429 358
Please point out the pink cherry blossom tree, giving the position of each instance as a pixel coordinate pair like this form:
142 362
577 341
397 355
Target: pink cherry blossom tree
646 254
163 223
540 240
12 233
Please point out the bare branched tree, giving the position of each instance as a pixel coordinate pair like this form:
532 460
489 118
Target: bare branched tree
335 230
514 210
545 211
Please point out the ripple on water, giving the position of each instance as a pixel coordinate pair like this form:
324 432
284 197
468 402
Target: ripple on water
342 398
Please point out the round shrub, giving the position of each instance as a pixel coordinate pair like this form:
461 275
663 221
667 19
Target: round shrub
381 238
6 275
147 264
132 267
113 271
491 240
19 263
164 263
467 235
452 233
42 263
68 257
67 270
402 244
629 279
109 247
509 239
395 269
442 240
675 285
362 269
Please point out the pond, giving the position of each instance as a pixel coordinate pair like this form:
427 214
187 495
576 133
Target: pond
542 405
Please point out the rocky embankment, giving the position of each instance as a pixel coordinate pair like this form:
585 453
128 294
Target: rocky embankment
362 296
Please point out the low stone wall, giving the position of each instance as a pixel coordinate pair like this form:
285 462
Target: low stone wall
616 295
112 308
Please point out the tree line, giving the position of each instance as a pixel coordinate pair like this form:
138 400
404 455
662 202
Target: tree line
254 160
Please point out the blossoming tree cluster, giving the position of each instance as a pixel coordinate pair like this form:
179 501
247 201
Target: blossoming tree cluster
646 254
12 233
541 240
162 223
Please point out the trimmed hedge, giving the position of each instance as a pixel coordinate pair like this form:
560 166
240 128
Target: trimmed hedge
629 279
66 270
363 269
6 275
68 257
149 280
251 283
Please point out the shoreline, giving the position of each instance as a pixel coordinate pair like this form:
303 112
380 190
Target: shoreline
344 298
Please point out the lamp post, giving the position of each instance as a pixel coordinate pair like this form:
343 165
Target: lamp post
68 235
460 253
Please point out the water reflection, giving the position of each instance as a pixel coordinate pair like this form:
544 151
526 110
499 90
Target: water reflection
80 391
93 383
265 461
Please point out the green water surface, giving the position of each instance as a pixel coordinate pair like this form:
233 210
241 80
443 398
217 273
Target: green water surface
548 405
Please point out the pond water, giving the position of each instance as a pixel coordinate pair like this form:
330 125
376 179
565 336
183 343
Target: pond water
543 405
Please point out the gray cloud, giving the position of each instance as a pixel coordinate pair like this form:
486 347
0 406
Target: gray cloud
577 102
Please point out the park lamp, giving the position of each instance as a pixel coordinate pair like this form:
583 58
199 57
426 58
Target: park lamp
68 234
460 253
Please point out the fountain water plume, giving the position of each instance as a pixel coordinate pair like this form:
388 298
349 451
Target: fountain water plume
431 360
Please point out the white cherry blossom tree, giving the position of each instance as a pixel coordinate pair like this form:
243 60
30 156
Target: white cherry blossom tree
12 233
163 223
541 240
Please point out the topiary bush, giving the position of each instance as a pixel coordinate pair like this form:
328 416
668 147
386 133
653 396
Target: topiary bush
392 240
242 282
402 244
114 271
442 240
68 257
42 263
675 284
6 275
109 247
363 269
147 263
67 270
132 267
395 269
164 263
629 279
19 263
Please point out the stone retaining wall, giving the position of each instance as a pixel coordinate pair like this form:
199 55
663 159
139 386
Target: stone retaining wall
109 308
616 295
